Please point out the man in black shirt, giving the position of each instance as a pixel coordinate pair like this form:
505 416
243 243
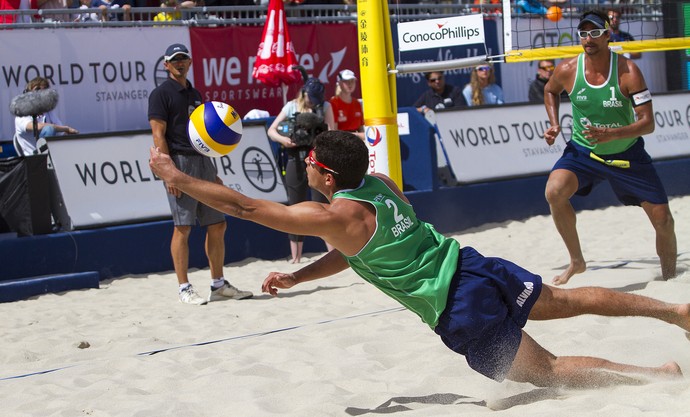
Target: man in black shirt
618 35
439 95
536 88
170 105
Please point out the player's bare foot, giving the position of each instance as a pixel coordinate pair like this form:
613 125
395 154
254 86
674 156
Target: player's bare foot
575 267
670 369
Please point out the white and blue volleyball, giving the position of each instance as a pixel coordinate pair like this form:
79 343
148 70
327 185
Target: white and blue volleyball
215 129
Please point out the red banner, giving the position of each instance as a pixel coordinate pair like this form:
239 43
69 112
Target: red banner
223 60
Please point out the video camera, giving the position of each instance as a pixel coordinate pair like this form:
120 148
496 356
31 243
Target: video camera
302 128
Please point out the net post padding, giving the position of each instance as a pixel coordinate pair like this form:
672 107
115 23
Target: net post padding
439 65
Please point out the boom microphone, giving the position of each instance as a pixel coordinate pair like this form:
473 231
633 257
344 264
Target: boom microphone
33 103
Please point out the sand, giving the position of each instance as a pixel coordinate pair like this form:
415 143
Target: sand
337 346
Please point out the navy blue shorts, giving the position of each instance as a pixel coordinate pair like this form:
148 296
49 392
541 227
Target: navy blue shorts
633 185
488 305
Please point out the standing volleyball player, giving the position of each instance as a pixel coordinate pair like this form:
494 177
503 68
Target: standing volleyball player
170 105
612 108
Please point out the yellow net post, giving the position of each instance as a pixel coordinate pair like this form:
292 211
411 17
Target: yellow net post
378 88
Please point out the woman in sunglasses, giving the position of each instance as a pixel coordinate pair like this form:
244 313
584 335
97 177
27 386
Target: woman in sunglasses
482 88
612 109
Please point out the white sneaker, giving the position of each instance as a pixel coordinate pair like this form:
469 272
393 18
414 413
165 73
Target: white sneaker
228 291
190 296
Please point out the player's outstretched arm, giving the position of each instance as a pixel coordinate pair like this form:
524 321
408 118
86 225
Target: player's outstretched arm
330 264
307 218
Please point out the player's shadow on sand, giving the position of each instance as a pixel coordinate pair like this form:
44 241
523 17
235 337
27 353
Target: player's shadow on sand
398 404
290 293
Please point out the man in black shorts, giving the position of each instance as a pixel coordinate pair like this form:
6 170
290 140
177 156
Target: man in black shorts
170 105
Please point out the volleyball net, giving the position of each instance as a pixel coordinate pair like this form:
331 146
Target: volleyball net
534 31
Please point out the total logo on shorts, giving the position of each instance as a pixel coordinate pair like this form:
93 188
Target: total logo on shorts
373 135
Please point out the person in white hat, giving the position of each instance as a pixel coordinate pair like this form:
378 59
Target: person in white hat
347 110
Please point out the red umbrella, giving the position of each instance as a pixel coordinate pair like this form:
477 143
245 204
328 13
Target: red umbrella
276 55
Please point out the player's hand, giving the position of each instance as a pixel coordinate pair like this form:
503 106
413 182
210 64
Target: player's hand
163 166
173 190
596 135
551 134
276 280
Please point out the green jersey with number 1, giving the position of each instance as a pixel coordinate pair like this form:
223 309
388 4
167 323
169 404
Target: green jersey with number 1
405 258
601 106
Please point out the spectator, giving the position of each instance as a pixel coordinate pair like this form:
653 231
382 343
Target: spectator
168 16
536 88
53 4
48 124
532 6
482 88
439 95
106 5
310 99
170 105
347 110
618 35
83 16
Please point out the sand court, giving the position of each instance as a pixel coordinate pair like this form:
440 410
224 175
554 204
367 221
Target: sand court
337 346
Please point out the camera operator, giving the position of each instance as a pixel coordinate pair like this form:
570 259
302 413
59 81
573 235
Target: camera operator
294 128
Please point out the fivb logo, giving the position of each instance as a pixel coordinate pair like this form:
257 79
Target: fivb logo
436 33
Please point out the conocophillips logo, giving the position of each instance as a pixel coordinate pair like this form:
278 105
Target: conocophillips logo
441 33
434 33
373 135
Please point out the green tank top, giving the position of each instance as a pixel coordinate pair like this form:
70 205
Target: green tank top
405 258
602 106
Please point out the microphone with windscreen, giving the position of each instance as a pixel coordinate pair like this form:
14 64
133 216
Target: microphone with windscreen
33 103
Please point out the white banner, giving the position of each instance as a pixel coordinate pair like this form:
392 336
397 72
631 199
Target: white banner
437 33
103 76
107 179
507 141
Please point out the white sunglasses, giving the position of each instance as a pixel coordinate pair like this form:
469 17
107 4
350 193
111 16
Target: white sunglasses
594 33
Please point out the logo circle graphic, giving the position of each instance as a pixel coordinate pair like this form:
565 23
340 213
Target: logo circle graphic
373 135
259 170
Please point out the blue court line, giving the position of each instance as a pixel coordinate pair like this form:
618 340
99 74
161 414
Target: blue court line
246 336
37 373
259 334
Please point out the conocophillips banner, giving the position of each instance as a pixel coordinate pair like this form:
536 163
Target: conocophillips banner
437 33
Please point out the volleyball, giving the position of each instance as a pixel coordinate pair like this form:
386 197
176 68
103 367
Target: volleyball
554 13
214 129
